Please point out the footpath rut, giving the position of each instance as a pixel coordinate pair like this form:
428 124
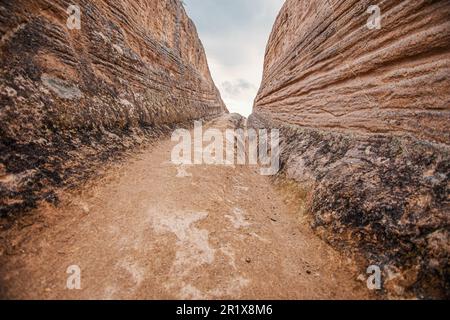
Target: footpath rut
147 229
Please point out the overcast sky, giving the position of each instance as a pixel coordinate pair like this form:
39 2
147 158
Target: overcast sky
234 34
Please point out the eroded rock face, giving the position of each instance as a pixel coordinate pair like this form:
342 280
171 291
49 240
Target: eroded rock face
325 68
72 98
365 121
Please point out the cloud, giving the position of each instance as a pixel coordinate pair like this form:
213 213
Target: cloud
237 88
234 34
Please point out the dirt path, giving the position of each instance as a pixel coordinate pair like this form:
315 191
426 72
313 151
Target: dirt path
142 231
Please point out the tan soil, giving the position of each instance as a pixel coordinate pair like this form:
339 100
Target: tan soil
146 230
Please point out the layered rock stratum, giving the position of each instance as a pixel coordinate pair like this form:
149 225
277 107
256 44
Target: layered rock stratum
70 99
364 115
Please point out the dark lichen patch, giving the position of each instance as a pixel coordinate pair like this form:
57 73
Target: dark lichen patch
64 162
384 199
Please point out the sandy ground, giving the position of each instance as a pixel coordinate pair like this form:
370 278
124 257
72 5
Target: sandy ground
147 229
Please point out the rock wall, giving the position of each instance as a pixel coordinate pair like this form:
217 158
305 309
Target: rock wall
365 123
73 98
325 68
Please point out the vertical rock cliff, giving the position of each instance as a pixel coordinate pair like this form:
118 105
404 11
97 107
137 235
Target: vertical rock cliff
365 121
72 98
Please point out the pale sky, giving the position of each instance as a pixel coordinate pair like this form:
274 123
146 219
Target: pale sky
235 34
